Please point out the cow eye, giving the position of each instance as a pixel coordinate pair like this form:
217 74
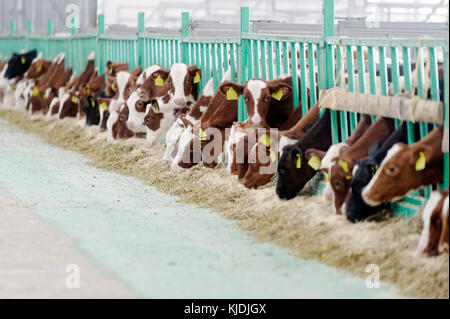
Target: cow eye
246 99
391 170
266 98
169 81
337 183
188 80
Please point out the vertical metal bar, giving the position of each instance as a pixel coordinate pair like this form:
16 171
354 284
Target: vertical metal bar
270 57
285 58
185 21
342 114
263 60
278 58
242 61
395 76
303 80
295 93
445 183
312 74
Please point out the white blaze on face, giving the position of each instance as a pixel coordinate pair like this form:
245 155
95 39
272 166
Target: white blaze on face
255 87
432 202
52 105
394 150
178 73
122 79
444 246
113 117
184 142
135 119
172 137
64 98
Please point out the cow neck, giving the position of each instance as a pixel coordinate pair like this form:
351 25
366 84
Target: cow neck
319 136
378 131
301 128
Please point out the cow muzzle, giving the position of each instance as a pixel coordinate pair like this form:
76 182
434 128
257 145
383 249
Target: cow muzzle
180 102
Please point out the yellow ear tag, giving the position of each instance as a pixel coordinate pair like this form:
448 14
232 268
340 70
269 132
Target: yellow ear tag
343 165
231 94
39 69
113 87
299 161
88 91
202 135
22 59
110 69
13 87
273 157
35 92
74 99
264 139
156 107
314 162
196 78
328 179
348 177
104 106
92 103
421 162
278 94
159 81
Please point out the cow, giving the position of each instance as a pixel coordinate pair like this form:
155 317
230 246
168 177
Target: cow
40 98
18 64
73 101
325 160
181 133
406 168
433 221
365 169
257 173
53 94
293 170
341 171
443 240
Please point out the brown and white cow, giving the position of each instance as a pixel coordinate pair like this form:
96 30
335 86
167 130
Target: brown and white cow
262 163
40 93
406 168
435 224
181 133
444 239
342 170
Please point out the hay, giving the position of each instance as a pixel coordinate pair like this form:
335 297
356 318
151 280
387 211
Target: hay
305 225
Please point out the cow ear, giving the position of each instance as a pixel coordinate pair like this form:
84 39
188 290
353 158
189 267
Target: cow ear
280 91
224 87
137 71
193 70
374 148
164 73
420 156
314 158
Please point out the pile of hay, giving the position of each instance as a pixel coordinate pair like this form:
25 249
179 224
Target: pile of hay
305 225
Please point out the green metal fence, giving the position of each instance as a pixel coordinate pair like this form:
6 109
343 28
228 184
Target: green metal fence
315 60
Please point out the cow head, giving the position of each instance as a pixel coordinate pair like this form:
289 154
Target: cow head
340 180
137 107
293 171
114 67
91 109
432 224
258 96
262 160
37 69
103 107
443 241
181 82
18 64
404 168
